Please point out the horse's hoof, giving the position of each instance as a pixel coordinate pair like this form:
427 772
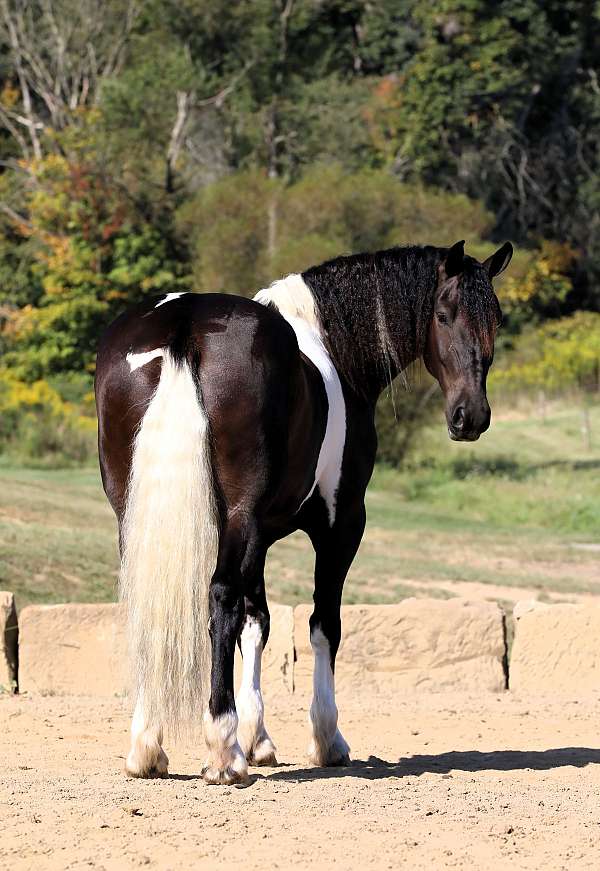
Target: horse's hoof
338 761
223 776
337 754
263 753
148 774
156 765
329 760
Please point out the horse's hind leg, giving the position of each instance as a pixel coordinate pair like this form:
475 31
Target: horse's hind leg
335 549
226 761
146 757
252 735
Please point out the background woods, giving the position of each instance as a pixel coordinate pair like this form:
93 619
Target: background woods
152 146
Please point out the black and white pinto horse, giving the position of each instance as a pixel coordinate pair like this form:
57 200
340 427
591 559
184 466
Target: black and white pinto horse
227 423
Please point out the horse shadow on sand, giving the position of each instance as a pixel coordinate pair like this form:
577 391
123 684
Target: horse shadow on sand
375 768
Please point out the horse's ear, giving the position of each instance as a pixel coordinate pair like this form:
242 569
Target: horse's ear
498 262
455 259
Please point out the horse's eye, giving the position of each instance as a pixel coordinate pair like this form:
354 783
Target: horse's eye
442 317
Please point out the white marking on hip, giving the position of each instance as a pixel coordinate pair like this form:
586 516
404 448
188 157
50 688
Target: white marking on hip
137 360
169 297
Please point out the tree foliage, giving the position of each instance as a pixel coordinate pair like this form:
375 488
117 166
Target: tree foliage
328 211
502 102
559 354
89 254
150 145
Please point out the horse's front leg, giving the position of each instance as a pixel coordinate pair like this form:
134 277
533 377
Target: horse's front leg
252 734
226 762
335 549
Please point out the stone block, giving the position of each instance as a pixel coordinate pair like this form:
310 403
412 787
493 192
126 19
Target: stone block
557 650
82 650
419 644
73 649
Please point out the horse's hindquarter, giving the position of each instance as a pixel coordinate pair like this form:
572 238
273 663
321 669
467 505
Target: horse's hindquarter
267 408
266 405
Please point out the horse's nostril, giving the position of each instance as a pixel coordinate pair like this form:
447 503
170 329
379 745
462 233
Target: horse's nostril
458 418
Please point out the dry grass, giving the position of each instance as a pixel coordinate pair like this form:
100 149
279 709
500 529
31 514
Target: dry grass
504 524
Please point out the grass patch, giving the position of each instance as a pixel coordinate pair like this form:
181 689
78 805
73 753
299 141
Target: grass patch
461 520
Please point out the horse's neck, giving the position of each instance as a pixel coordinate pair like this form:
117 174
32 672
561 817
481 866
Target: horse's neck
372 331
366 358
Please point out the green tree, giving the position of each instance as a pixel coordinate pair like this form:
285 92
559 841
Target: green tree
502 102
91 255
326 212
557 356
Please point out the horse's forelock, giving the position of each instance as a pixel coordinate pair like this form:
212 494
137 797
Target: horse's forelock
479 305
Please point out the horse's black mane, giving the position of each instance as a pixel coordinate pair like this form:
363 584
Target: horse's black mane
376 308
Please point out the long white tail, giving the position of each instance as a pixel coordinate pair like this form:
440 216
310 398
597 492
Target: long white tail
169 551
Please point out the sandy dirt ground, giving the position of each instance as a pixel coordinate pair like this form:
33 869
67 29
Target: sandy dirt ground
438 781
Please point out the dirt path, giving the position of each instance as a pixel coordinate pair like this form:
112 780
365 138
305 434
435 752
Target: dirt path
445 781
477 591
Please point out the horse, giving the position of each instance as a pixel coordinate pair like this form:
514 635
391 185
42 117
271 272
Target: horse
227 423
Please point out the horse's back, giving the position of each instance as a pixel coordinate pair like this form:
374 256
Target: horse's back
192 322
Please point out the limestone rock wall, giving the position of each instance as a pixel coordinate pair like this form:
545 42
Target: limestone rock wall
556 649
418 644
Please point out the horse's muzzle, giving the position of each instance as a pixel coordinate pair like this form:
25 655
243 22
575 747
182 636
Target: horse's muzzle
466 425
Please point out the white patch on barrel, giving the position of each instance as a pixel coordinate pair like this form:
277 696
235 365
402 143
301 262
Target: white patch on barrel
137 360
169 297
294 300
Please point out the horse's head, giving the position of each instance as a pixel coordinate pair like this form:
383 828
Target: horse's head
460 342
